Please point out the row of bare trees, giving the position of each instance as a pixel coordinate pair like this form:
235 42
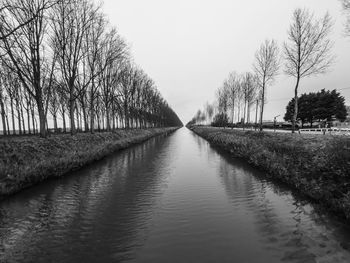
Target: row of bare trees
307 52
62 60
238 94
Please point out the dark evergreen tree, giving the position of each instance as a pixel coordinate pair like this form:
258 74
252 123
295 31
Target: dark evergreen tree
321 106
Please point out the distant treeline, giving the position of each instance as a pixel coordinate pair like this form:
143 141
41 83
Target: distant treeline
61 60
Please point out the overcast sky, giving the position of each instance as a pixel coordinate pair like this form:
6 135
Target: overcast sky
188 47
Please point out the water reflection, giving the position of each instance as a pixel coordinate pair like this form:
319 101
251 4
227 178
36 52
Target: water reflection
93 215
171 199
286 224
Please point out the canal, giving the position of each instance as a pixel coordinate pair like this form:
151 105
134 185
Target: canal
171 199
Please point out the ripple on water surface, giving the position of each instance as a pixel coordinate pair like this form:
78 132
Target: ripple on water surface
171 199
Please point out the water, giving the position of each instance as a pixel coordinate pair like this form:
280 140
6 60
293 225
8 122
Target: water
171 199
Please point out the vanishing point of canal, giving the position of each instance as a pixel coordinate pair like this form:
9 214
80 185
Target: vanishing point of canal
171 199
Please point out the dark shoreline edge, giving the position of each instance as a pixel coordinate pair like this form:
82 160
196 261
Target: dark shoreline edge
61 154
324 176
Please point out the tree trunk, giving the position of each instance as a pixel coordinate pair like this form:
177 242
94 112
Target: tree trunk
13 117
71 115
2 108
18 117
108 120
295 115
98 122
77 116
113 121
55 122
256 113
33 119
42 118
28 119
233 111
126 117
244 113
92 113
248 112
81 120
262 106
8 125
103 121
239 112
86 124
64 120
23 122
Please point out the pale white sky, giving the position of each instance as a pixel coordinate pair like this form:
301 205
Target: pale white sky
189 46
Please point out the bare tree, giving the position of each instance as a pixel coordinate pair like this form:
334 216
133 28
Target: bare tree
110 63
239 96
72 19
308 50
234 85
209 111
143 86
25 50
249 90
222 97
266 68
145 99
93 42
126 90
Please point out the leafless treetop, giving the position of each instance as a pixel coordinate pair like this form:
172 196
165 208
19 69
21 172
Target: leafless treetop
266 62
307 51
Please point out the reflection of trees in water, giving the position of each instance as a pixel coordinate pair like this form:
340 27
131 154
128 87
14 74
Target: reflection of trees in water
245 190
287 225
200 142
205 147
99 210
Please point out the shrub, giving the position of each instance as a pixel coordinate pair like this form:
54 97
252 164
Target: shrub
220 120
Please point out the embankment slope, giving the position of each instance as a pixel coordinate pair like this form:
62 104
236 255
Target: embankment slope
28 160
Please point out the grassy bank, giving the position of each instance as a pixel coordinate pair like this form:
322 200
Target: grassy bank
25 161
318 166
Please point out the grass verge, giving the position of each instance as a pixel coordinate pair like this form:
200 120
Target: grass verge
316 165
25 161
